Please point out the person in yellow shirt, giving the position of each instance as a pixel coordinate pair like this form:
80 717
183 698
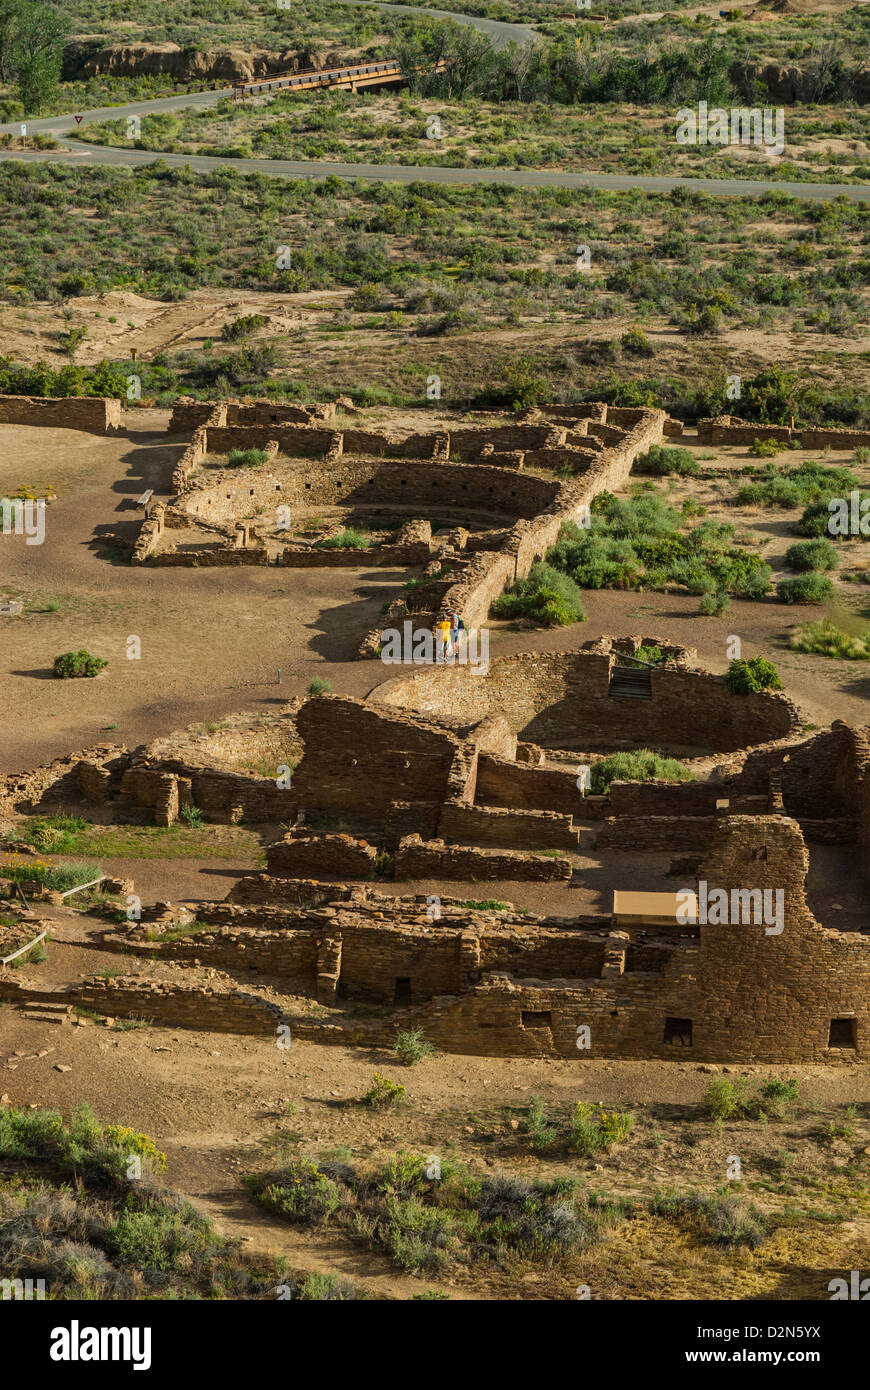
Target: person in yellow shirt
442 638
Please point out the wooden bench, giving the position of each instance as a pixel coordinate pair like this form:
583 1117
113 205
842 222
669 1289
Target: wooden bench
145 498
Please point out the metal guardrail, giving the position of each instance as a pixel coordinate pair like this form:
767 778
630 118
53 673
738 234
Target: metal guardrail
81 886
21 949
627 656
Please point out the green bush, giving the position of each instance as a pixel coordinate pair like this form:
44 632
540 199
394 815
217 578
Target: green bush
596 1130
411 1047
55 834
725 1100
541 1133
748 677
383 1093
247 458
72 665
767 448
649 653
637 543
663 459
243 327
714 605
817 554
319 685
546 598
300 1191
639 766
348 539
636 343
60 877
730 1100
809 483
805 588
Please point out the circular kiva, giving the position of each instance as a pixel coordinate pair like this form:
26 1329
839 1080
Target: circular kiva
596 699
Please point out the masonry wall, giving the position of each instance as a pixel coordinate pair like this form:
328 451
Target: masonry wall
772 997
358 763
563 702
421 859
93 414
227 495
730 429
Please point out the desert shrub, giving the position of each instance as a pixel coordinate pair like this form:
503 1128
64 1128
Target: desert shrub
243 327
726 1219
78 664
383 1092
319 685
663 459
809 483
191 816
817 554
775 1098
636 543
300 1191
714 605
824 638
805 588
541 1133
639 766
411 1046
747 677
60 877
725 1100
767 448
325 1288
636 343
596 1130
730 1100
54 834
348 539
546 598
247 458
646 652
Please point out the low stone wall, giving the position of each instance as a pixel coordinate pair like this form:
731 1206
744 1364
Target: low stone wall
730 429
208 1010
195 451
656 832
482 825
187 414
263 889
322 856
560 701
92 414
419 859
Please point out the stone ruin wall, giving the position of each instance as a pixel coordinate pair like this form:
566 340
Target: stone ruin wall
495 984
730 429
555 700
598 442
93 414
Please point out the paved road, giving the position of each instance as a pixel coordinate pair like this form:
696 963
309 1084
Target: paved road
500 33
78 153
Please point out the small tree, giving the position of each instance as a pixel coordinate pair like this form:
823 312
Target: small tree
37 38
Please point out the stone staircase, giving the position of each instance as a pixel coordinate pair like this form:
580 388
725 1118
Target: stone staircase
630 683
47 1013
